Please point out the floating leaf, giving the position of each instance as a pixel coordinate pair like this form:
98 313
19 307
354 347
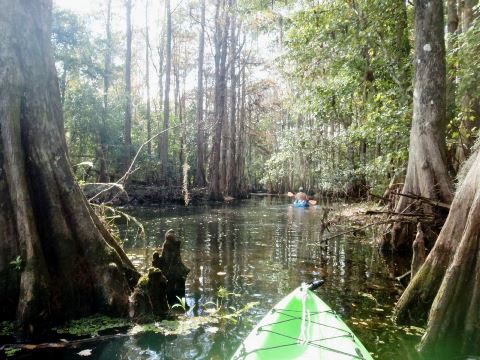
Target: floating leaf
86 352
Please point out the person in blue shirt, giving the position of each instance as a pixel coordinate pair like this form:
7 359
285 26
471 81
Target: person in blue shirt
301 199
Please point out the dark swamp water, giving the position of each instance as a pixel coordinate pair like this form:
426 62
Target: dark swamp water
260 249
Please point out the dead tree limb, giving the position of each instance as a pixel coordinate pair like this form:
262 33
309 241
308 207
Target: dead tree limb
357 229
424 199
393 213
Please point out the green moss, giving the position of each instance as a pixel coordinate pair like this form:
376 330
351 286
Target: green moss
92 325
11 351
143 281
7 328
153 270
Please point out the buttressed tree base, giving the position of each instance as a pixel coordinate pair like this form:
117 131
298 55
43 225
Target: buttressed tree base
68 265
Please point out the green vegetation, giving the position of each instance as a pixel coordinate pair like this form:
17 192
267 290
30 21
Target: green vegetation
11 351
7 328
181 325
336 120
93 325
17 263
349 67
353 98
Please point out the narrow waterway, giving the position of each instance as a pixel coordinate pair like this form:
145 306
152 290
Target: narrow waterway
261 249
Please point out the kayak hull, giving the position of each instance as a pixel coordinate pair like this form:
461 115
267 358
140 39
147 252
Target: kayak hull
301 326
301 205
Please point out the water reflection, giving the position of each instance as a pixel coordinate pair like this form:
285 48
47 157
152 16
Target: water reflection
262 249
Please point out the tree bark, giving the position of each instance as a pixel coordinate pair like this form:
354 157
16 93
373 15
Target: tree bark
128 89
161 55
166 101
420 293
200 170
69 265
147 79
172 266
453 320
419 251
241 144
427 174
231 155
102 146
222 21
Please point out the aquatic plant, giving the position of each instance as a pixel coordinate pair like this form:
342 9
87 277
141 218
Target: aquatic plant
182 304
6 328
11 351
93 325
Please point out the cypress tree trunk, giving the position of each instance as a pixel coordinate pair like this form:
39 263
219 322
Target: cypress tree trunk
69 265
221 43
450 277
241 146
427 174
231 180
102 146
127 138
147 79
200 170
161 55
166 100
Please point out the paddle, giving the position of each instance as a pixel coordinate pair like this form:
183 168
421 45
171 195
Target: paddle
315 284
311 202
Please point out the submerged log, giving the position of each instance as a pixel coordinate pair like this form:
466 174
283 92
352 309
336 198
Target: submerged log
172 266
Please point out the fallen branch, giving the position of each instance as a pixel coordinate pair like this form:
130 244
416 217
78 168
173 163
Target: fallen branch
401 277
121 182
424 199
419 215
380 197
357 229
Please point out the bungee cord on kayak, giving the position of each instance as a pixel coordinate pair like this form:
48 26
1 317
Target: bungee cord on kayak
347 334
316 330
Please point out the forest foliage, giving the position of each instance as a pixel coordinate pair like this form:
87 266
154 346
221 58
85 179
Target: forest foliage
325 90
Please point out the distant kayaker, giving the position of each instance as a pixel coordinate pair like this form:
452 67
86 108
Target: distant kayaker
300 195
301 199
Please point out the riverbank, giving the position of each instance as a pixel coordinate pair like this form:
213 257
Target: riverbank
138 194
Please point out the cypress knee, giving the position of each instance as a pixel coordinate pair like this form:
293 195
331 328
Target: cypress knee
172 266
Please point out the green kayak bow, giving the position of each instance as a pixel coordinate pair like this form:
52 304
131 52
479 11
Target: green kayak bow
302 326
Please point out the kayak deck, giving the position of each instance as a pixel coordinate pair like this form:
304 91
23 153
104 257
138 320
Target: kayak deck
301 326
